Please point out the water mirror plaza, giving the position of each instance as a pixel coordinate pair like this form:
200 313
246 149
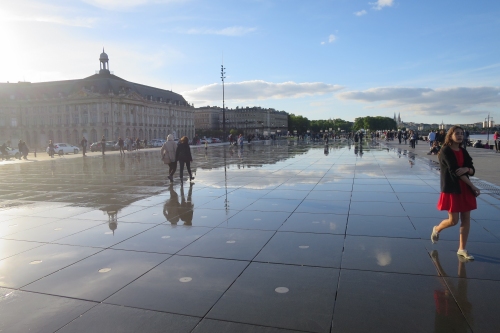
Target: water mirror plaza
279 236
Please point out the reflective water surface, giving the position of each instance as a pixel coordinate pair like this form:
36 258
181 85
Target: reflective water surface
274 237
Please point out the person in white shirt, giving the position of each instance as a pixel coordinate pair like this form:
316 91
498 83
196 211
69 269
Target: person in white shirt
432 137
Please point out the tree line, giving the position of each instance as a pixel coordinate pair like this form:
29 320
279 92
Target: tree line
301 124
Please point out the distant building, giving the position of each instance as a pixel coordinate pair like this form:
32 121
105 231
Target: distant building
424 127
249 120
101 104
207 117
487 124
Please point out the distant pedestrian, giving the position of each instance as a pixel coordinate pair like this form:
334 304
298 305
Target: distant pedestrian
183 155
83 143
432 138
121 144
458 194
20 148
26 150
413 138
137 143
168 156
103 144
240 140
51 149
496 139
145 143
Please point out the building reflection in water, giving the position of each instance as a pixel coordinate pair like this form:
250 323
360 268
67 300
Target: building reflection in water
175 211
112 220
446 299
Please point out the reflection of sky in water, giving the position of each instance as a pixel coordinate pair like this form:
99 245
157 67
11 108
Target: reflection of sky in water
383 258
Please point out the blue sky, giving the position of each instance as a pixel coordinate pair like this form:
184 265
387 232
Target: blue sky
429 60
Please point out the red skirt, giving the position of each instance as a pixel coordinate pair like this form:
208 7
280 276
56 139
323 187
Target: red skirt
458 203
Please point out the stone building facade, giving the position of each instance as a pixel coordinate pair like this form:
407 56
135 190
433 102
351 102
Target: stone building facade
101 104
249 120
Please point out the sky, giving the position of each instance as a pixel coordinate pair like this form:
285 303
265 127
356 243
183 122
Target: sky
429 60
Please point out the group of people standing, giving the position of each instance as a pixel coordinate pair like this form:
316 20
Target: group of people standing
237 141
173 152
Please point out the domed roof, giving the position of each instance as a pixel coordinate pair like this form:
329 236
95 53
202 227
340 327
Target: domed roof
103 56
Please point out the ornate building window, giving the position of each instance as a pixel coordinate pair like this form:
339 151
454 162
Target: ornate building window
106 118
76 119
67 116
85 117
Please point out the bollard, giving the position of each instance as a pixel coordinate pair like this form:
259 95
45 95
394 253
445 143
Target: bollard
35 152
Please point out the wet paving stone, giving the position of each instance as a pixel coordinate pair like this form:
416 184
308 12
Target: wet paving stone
163 239
105 318
420 302
99 276
229 244
21 311
181 285
26 267
304 249
291 297
277 237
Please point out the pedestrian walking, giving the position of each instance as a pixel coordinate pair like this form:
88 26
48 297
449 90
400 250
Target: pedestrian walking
83 143
496 138
168 156
458 194
121 144
25 150
127 143
183 155
103 144
240 140
51 149
413 138
137 143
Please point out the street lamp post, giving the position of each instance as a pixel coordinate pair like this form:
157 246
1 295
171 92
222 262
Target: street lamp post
222 76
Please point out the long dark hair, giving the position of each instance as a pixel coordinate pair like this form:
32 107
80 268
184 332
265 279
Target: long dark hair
184 139
448 140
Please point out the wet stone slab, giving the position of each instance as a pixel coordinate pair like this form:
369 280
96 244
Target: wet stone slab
275 237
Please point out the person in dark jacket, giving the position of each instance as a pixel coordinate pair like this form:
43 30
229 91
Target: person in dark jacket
25 151
103 144
183 155
458 194
51 149
83 143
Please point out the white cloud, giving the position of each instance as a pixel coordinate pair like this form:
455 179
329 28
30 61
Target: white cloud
29 11
258 90
332 38
360 13
126 4
229 31
381 4
428 101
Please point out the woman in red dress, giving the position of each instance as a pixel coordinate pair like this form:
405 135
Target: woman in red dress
458 194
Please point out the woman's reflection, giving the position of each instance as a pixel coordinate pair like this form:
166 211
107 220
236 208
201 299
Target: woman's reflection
445 319
175 211
186 208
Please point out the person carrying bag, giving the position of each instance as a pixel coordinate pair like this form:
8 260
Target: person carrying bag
168 151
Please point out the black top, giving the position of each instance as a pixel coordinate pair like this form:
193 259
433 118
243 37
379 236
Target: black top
183 153
448 165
